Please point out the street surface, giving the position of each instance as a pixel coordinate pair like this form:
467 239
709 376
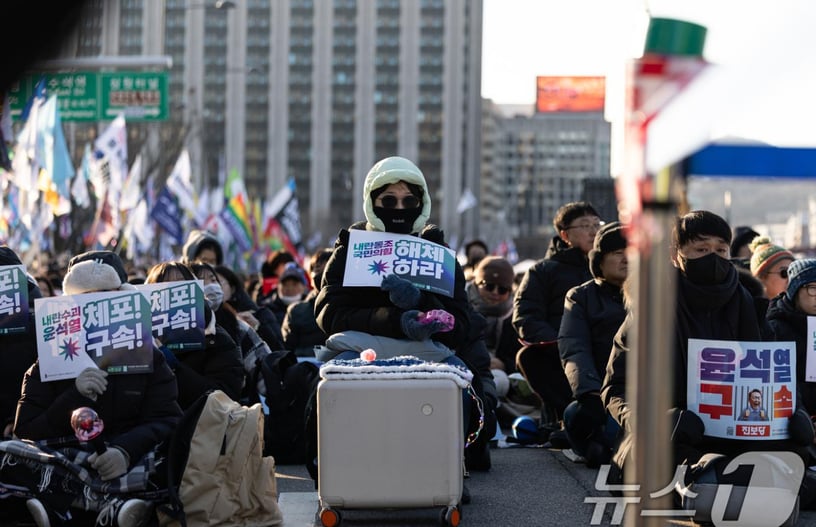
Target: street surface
525 487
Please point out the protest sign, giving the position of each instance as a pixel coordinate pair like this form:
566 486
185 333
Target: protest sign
742 390
374 255
810 349
13 299
177 312
110 330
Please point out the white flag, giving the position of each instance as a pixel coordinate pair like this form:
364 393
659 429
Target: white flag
180 184
132 189
466 201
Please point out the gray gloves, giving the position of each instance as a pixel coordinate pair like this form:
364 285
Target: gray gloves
414 329
91 382
402 293
112 464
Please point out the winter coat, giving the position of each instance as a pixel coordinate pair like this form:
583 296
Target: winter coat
19 352
539 300
300 330
723 312
593 312
138 410
217 367
369 309
790 324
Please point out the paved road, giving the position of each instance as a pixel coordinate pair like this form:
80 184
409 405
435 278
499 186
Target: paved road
525 487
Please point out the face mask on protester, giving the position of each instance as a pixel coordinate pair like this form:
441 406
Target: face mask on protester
710 269
290 299
398 221
214 296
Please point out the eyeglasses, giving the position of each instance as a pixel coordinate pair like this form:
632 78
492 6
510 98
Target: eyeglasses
408 202
585 226
493 287
783 273
811 289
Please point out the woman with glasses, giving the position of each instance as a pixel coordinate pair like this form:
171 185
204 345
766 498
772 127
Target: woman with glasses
787 318
395 200
769 263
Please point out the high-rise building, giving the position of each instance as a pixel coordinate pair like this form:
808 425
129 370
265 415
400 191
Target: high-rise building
315 90
536 164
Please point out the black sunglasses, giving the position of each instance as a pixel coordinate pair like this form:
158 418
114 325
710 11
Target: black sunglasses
492 287
408 202
783 273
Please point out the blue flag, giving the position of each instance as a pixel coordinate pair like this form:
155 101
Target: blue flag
38 96
167 214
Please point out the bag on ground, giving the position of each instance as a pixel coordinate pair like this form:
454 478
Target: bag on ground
217 472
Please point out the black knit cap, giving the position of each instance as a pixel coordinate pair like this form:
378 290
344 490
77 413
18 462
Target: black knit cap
609 238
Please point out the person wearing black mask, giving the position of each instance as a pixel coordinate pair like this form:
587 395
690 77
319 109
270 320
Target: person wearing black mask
712 304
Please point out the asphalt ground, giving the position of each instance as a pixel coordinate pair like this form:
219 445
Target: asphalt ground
526 486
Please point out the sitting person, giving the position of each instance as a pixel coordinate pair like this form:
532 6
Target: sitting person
593 312
397 201
139 412
218 366
712 305
260 318
299 328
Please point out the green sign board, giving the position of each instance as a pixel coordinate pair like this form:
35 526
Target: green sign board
99 96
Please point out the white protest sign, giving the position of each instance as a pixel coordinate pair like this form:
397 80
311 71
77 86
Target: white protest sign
742 390
373 255
109 330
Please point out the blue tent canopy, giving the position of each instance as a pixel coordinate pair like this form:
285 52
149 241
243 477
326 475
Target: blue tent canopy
728 160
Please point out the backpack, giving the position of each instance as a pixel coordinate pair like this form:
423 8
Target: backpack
289 384
217 474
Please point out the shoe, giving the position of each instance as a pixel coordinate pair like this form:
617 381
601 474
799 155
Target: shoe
558 439
597 454
38 512
130 513
545 430
573 456
465 495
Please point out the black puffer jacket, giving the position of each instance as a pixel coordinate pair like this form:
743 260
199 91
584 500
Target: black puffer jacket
369 309
722 312
593 312
217 367
18 352
138 410
787 323
539 300
300 330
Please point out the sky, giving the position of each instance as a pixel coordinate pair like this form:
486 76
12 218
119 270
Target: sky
526 38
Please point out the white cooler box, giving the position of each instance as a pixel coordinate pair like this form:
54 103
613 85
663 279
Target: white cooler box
389 442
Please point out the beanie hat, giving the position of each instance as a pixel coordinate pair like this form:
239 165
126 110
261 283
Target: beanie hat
391 170
766 254
608 238
95 271
494 270
800 273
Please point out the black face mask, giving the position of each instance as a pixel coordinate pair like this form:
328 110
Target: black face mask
398 221
710 269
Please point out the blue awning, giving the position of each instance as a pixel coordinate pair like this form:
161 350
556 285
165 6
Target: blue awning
723 160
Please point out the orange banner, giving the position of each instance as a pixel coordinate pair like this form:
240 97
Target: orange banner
570 94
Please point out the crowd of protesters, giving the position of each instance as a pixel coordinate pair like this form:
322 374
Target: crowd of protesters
560 329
